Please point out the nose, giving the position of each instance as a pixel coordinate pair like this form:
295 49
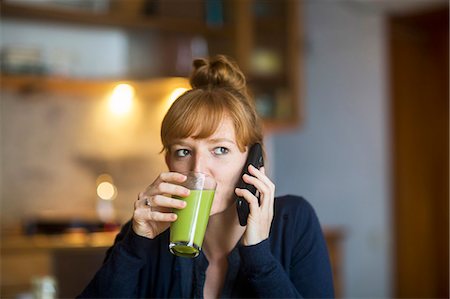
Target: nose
200 163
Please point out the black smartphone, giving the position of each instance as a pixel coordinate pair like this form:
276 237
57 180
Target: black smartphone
255 158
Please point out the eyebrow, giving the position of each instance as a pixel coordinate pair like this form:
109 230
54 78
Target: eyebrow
179 143
215 140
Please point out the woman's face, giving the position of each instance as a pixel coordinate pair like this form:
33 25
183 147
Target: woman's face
217 156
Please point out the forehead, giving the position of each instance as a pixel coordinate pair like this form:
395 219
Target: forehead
224 130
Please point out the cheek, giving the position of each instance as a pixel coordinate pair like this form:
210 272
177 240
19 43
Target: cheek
177 165
227 178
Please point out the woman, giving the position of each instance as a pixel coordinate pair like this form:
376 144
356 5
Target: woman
280 253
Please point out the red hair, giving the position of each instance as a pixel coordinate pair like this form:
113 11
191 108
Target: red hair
218 90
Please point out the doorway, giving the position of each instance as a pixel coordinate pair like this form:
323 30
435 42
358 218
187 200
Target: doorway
419 91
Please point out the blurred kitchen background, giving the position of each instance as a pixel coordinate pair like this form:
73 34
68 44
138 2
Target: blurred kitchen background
354 96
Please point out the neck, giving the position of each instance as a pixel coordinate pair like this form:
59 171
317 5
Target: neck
222 235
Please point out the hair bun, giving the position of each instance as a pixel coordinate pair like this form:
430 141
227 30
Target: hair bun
219 71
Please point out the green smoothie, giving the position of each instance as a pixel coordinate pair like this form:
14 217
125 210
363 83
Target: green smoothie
187 232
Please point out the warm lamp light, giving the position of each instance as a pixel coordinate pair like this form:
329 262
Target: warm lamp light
121 99
175 94
105 187
106 191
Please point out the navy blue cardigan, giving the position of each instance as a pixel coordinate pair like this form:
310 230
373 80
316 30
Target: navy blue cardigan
292 262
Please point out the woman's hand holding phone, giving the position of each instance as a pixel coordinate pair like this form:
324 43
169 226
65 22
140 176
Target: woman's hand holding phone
260 218
153 208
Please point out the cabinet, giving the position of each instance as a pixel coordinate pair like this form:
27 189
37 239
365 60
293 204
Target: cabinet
269 53
262 36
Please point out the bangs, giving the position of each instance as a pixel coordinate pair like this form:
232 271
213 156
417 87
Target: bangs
198 113
195 114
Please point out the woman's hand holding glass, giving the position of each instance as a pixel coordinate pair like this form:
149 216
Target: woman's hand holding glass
260 217
153 208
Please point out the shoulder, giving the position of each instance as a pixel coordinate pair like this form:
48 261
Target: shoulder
294 213
292 205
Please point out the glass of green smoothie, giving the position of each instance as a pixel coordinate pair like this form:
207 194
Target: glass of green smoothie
188 231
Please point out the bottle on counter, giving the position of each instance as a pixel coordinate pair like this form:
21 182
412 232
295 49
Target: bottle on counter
45 287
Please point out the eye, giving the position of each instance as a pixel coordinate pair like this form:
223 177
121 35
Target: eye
221 150
182 152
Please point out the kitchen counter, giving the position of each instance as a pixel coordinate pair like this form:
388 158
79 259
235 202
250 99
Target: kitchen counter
18 242
73 259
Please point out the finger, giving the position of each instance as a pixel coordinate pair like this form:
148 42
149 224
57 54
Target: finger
171 177
263 170
259 185
267 193
175 177
161 217
168 202
250 198
172 189
140 202
267 196
144 201
260 175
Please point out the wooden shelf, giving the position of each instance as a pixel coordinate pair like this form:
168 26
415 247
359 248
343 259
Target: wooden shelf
81 17
242 33
34 84
93 88
272 25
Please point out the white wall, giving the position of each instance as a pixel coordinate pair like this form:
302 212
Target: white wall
338 160
71 50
